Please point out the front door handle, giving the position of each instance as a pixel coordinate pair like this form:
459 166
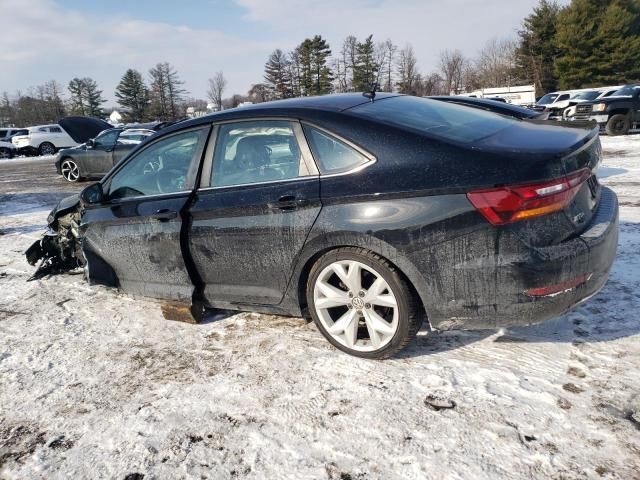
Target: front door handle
288 203
164 215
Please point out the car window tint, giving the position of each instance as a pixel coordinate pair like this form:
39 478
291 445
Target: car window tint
107 138
55 130
257 151
561 98
439 119
332 155
161 168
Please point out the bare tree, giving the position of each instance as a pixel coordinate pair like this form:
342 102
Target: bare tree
408 76
496 63
452 66
260 92
432 84
217 85
390 57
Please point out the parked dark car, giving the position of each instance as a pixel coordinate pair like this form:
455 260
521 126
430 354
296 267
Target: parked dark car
369 215
615 114
97 156
493 105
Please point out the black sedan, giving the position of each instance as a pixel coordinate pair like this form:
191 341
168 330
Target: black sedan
370 216
97 156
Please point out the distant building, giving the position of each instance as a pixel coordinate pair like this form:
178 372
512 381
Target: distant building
115 118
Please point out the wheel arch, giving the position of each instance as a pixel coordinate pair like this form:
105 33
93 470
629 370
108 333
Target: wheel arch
319 246
619 111
75 160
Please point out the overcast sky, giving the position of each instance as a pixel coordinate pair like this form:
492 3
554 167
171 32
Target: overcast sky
62 39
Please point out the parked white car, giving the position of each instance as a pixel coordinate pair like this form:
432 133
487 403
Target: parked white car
43 140
7 133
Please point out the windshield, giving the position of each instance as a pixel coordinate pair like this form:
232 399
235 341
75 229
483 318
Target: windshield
548 98
587 95
442 119
626 91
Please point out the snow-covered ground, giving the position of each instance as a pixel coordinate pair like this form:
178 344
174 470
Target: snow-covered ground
96 384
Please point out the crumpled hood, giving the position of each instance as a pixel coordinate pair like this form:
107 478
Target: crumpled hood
82 129
64 206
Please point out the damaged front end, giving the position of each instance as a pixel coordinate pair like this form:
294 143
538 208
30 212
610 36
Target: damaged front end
59 250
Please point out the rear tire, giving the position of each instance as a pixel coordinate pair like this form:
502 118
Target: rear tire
362 304
46 148
618 124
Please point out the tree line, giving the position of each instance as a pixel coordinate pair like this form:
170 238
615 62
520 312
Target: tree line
586 43
162 98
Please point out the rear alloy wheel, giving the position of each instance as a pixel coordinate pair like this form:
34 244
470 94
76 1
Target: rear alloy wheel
618 125
5 153
46 148
362 304
70 170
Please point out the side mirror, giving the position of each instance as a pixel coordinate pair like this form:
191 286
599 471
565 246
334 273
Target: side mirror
90 143
92 194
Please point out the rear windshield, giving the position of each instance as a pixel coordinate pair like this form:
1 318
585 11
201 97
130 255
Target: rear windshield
443 119
627 91
587 95
547 99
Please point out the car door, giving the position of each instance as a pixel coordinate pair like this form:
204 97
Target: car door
136 230
98 158
259 198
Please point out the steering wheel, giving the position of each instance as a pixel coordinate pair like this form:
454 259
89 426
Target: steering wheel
170 180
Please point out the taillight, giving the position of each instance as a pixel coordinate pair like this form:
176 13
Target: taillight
561 287
509 204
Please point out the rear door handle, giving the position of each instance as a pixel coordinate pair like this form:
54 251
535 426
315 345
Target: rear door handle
288 203
164 215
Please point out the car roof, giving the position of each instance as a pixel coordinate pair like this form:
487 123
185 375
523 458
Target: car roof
139 130
488 104
336 103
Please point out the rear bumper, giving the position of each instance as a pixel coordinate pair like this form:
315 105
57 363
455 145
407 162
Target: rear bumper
589 255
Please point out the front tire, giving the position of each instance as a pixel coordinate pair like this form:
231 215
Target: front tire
46 148
362 304
5 153
618 124
70 170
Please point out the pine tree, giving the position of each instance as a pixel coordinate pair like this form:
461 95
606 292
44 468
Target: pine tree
315 75
277 74
166 92
599 42
365 70
77 105
536 52
133 95
86 98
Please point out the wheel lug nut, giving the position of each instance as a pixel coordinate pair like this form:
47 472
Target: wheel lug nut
350 294
367 305
361 293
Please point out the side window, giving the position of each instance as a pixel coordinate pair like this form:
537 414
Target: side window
332 155
562 98
163 167
256 151
107 139
55 130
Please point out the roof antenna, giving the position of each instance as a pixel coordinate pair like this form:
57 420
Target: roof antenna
371 94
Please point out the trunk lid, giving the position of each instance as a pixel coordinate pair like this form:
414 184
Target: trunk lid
576 148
